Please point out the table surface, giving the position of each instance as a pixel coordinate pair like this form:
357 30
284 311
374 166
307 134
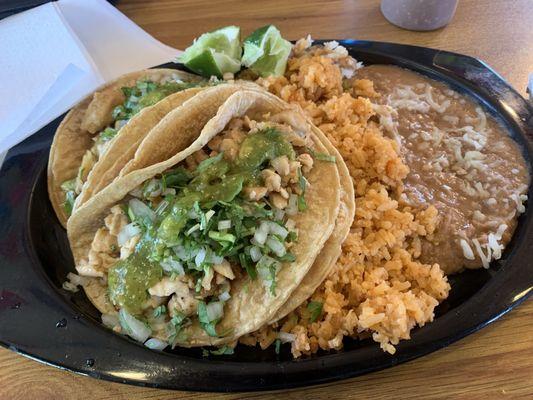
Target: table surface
496 362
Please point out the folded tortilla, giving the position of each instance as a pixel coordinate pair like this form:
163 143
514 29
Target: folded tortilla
325 261
74 136
134 148
251 304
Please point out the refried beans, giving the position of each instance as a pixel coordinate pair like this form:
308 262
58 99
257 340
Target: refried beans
461 160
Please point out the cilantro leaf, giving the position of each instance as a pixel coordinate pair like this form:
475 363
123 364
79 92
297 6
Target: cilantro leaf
68 205
245 262
160 310
278 346
321 156
176 178
302 204
315 310
208 326
221 351
107 134
288 257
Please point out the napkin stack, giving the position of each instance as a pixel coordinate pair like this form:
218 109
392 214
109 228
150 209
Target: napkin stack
55 54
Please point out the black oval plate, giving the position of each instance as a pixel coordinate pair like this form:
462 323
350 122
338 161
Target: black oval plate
40 320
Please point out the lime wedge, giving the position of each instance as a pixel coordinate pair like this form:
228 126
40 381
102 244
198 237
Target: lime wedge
266 52
214 53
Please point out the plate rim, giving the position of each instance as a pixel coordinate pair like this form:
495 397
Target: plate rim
305 370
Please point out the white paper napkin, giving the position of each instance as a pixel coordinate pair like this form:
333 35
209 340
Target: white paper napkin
54 55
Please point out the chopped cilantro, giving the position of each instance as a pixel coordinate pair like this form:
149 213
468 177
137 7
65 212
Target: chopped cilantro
246 263
70 197
278 346
178 319
107 134
273 269
225 350
198 286
176 178
207 325
221 351
160 310
292 236
302 183
302 204
321 156
174 327
222 237
315 309
69 185
130 213
325 157
202 167
146 93
288 257
125 208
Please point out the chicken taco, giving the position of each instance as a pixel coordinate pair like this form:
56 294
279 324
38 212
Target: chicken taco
110 122
209 244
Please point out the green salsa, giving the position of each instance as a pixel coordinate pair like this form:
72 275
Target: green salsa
215 180
130 279
260 147
145 94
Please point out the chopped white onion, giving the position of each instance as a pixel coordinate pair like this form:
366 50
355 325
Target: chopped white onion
208 215
170 265
279 214
200 257
225 224
181 252
161 207
133 327
213 258
153 188
127 232
215 310
110 320
169 191
263 267
76 279
120 123
255 253
286 337
141 210
261 233
292 207
467 250
155 344
276 246
193 229
70 287
277 230
225 296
